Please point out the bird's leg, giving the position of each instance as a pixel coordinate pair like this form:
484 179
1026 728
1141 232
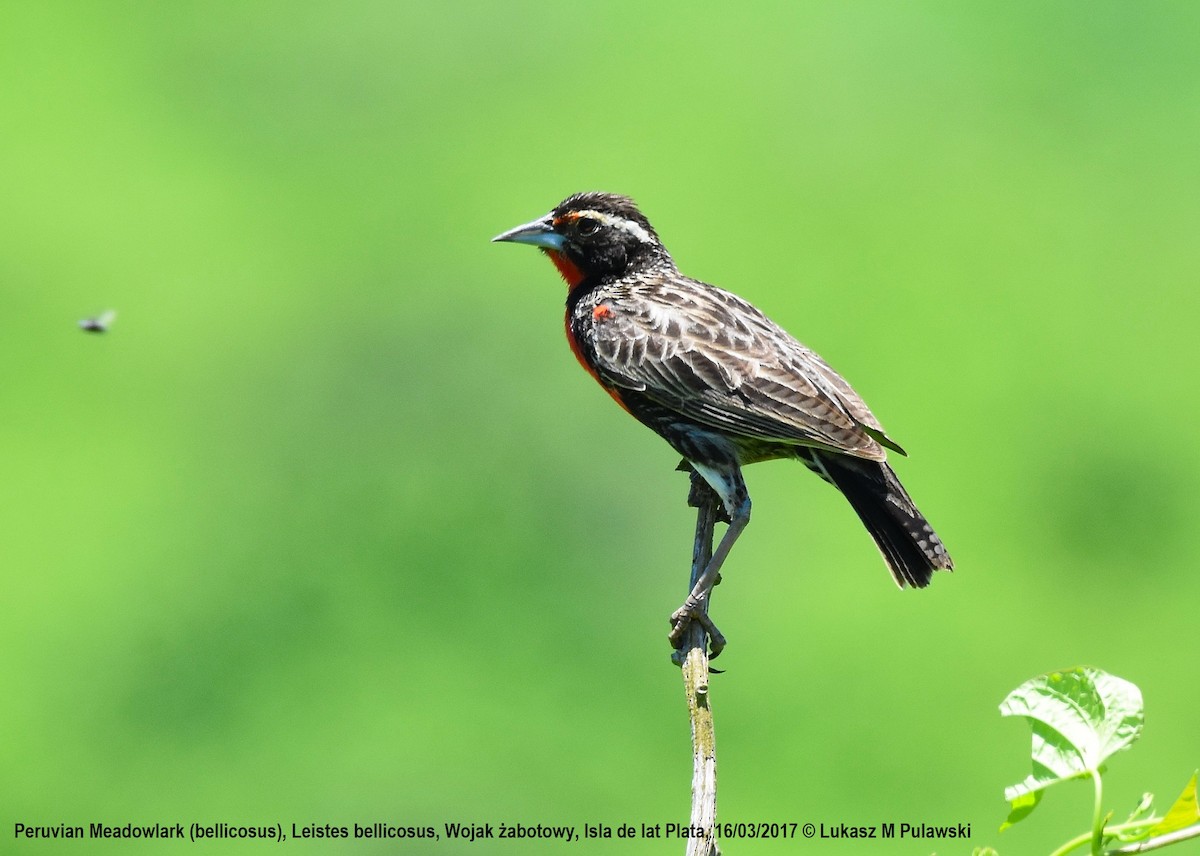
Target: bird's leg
695 605
707 505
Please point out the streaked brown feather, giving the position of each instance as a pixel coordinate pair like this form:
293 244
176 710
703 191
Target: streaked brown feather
714 358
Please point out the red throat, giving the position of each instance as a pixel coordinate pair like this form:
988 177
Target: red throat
569 270
574 276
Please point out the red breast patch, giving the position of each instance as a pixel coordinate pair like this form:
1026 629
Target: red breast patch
579 355
569 270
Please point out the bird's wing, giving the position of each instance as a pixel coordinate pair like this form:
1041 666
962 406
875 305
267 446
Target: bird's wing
715 359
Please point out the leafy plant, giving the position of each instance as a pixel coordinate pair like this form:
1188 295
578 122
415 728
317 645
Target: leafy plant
1080 718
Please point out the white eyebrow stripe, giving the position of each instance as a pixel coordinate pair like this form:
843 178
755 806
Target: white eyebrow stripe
621 223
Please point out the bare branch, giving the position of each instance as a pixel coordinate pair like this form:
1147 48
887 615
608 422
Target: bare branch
694 658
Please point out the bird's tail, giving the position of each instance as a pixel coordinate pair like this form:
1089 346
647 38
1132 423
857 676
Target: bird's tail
910 547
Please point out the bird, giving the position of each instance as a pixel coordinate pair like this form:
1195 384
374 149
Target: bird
723 384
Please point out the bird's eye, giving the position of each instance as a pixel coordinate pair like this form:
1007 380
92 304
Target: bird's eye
587 226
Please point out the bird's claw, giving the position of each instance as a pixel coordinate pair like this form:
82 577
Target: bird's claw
681 622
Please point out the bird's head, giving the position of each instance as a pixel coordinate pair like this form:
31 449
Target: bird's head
593 235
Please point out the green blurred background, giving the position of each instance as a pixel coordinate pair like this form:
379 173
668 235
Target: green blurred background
330 528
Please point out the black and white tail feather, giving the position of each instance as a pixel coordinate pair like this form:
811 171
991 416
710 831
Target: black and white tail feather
910 547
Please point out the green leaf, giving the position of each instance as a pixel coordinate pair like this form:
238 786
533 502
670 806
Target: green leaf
1021 807
1183 813
1079 717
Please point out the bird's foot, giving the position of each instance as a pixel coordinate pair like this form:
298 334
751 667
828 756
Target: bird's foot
681 622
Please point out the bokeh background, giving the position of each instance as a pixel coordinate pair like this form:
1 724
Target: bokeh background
330 528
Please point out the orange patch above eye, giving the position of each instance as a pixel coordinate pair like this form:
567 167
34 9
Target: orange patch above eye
601 312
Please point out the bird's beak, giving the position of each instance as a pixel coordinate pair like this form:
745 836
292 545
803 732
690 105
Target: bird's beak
539 233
